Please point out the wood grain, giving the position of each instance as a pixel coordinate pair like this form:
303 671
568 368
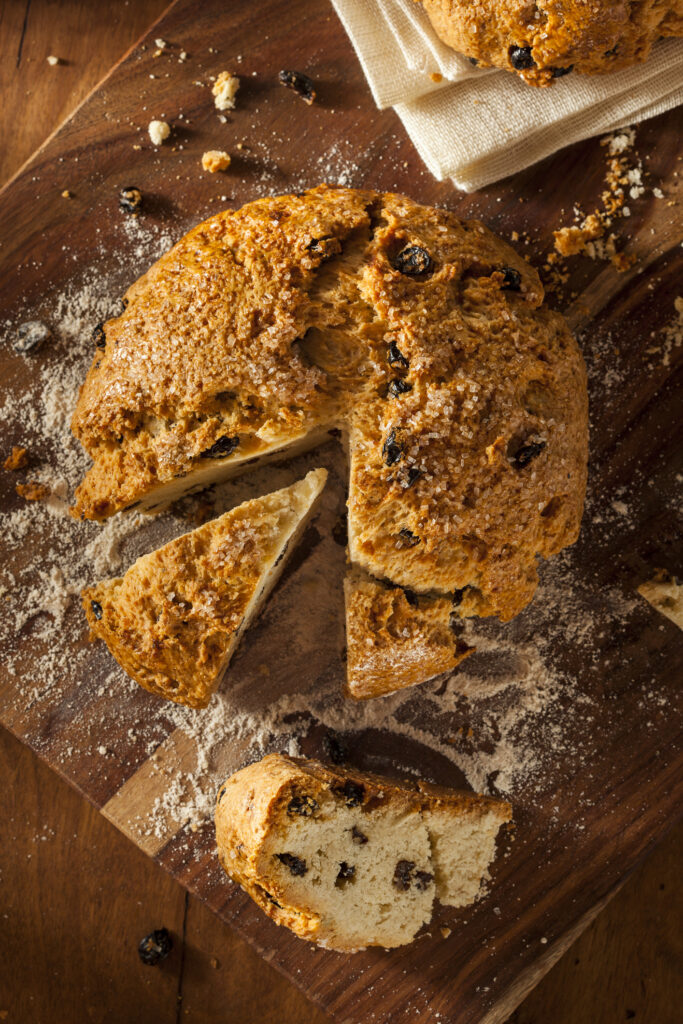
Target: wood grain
77 897
624 826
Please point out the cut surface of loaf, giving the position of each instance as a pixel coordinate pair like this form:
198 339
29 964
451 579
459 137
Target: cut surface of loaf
549 39
395 638
174 619
347 859
421 337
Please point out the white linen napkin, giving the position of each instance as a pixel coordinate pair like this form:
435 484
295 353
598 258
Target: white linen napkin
477 126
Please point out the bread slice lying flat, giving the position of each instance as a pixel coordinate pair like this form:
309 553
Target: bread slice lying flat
173 621
395 638
347 859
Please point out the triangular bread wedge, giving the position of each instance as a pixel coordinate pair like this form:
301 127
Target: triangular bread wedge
173 621
347 859
395 638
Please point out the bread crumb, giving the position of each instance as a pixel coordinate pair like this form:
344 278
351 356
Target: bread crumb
160 44
215 160
33 491
17 460
665 594
158 131
224 90
436 76
445 932
66 194
215 963
52 60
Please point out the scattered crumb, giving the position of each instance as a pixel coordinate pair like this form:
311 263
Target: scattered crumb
215 963
436 76
592 235
33 491
52 60
17 460
158 131
215 160
66 194
160 44
445 932
224 90
665 594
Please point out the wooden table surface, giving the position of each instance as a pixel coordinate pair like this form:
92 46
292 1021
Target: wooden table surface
67 945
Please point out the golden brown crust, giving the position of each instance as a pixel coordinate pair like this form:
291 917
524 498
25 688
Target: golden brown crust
174 619
256 801
311 318
543 41
396 639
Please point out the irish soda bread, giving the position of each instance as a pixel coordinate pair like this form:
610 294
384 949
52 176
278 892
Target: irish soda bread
549 39
395 638
347 859
173 621
421 337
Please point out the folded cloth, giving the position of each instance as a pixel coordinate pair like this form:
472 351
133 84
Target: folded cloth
477 126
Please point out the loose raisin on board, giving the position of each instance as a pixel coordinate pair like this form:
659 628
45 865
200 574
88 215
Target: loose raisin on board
155 947
391 450
422 880
512 280
130 199
413 261
521 58
296 865
395 357
333 748
561 72
358 837
351 792
98 335
408 537
223 446
96 609
527 453
402 875
304 806
346 873
30 336
300 83
399 387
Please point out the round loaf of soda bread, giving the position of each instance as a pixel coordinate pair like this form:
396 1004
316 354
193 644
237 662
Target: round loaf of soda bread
423 339
548 39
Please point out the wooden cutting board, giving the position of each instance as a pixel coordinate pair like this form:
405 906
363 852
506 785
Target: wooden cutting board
602 757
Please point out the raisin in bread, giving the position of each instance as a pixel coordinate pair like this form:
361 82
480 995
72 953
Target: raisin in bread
173 621
422 337
395 638
548 39
347 859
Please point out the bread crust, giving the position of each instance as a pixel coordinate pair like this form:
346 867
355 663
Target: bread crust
396 639
555 36
253 802
313 319
173 621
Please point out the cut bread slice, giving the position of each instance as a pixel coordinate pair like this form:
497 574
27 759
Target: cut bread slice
173 621
347 859
395 638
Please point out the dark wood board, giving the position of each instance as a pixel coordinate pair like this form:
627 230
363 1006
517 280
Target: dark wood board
553 878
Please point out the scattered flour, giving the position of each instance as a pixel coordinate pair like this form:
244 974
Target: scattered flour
505 720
